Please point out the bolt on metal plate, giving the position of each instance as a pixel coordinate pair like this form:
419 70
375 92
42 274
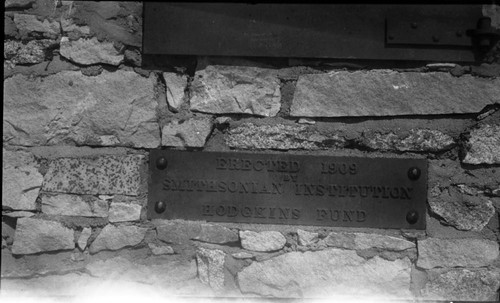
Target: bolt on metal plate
275 188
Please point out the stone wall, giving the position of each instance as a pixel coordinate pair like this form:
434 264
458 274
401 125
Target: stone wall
82 111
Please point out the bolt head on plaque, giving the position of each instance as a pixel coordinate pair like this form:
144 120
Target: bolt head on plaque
414 173
412 217
160 207
161 163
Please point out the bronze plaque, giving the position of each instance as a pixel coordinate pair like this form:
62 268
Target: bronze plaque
288 189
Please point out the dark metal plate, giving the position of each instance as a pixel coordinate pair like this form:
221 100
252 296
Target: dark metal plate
288 189
308 30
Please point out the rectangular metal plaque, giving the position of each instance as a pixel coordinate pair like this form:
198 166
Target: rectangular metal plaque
288 189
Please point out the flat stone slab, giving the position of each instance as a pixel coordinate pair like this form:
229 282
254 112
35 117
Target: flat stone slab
462 284
420 140
366 241
188 133
483 146
462 211
263 241
435 252
74 205
68 108
36 235
102 175
179 232
21 180
280 136
236 90
122 212
326 273
115 237
391 93
90 51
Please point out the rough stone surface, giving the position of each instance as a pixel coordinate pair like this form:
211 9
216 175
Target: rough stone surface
211 267
160 249
18 3
21 180
262 241
122 212
115 237
236 89
367 241
122 269
84 237
90 51
101 175
32 52
462 211
29 24
179 232
434 252
483 146
421 140
307 238
73 205
35 235
111 109
325 273
462 284
390 93
27 266
176 85
189 133
280 136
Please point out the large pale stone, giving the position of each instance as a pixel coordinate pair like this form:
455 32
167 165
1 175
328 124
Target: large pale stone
262 241
211 267
367 241
121 212
111 109
236 89
326 273
73 205
462 211
462 284
27 24
434 252
115 237
280 136
35 235
189 133
391 93
164 273
90 51
21 180
483 146
176 85
415 140
182 231
101 175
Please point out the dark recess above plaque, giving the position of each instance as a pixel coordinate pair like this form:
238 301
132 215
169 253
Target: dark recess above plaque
446 33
